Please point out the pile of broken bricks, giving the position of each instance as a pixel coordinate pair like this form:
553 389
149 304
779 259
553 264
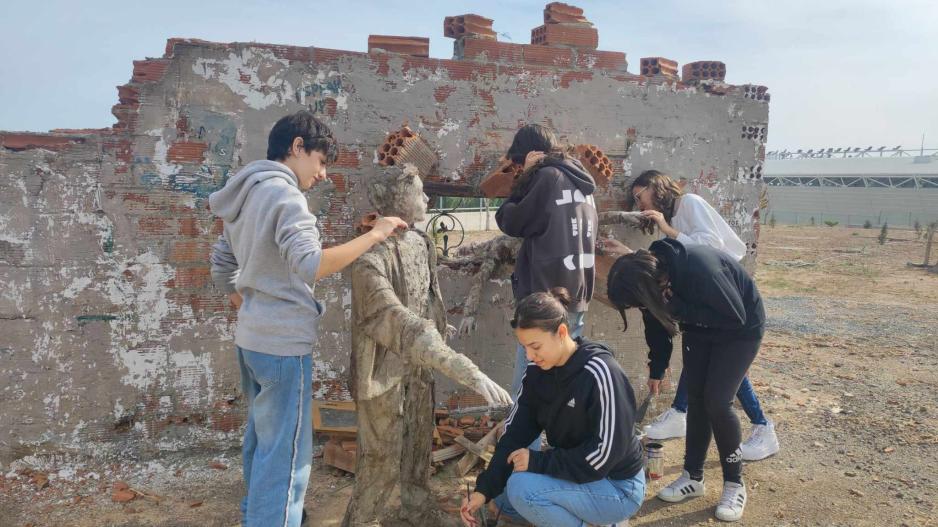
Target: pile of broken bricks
471 435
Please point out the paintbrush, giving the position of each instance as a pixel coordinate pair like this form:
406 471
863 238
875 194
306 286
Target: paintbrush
640 414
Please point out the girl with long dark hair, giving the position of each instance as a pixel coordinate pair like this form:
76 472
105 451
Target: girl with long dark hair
689 219
711 298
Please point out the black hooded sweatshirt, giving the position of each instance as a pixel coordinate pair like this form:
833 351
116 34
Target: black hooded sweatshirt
587 408
557 218
713 295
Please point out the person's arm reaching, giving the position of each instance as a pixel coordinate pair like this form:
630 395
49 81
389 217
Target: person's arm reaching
298 239
334 259
527 216
386 320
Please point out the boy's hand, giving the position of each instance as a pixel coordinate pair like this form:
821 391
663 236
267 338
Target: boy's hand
235 299
387 225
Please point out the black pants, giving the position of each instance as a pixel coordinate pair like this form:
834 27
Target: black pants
714 367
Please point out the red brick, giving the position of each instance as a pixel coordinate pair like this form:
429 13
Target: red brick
651 66
497 184
607 60
190 251
218 226
443 92
703 70
574 76
416 46
189 227
473 26
187 152
574 35
150 70
191 277
156 226
562 8
548 56
489 51
28 141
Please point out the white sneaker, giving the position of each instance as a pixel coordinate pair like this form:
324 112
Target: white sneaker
681 489
761 444
732 503
667 425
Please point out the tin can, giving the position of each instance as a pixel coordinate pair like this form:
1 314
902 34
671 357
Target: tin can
654 460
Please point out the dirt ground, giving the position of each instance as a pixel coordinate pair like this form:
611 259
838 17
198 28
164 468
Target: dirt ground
848 371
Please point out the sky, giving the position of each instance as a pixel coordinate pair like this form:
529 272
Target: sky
841 72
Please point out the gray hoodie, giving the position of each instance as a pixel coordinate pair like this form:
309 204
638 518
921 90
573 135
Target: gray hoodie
269 252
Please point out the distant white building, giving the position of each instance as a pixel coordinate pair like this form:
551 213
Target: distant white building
899 189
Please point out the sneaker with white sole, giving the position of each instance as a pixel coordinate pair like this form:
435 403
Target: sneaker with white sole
671 423
682 488
732 503
761 444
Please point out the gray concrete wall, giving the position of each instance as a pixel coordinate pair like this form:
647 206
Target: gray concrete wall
853 206
111 336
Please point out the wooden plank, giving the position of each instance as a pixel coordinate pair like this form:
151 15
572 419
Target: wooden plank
469 460
449 452
333 455
334 416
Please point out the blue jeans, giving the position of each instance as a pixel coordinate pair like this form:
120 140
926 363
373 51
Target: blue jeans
278 441
552 502
745 394
521 362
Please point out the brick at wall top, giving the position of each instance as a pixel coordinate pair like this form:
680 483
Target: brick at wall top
416 46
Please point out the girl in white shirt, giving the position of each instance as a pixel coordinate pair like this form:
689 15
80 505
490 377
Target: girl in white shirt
689 219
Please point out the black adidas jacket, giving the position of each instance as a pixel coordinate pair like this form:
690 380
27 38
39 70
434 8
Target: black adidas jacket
556 216
713 294
587 408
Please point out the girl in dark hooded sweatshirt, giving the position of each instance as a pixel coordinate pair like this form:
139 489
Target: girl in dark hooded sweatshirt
575 391
551 206
720 311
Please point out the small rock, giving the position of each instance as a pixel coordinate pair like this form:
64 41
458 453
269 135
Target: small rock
856 493
195 504
120 485
819 444
850 474
218 465
123 496
889 450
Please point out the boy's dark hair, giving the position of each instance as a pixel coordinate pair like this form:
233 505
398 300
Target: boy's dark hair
303 124
532 138
544 311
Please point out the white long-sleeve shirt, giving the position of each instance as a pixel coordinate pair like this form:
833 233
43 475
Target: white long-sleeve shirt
699 223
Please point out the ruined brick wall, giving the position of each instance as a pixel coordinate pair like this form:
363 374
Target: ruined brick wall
111 335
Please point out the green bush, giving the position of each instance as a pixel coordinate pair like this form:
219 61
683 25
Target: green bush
867 224
830 223
883 234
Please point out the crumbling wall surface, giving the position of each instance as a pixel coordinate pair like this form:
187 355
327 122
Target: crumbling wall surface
111 335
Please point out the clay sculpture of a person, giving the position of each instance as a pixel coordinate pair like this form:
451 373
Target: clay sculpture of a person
398 327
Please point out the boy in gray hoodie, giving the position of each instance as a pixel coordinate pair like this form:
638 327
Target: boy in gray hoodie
267 260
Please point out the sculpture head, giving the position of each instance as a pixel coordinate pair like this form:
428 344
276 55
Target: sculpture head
398 191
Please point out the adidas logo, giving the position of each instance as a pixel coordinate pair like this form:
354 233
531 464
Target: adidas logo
571 403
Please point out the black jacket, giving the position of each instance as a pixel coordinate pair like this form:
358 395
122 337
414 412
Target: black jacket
557 218
713 294
587 408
